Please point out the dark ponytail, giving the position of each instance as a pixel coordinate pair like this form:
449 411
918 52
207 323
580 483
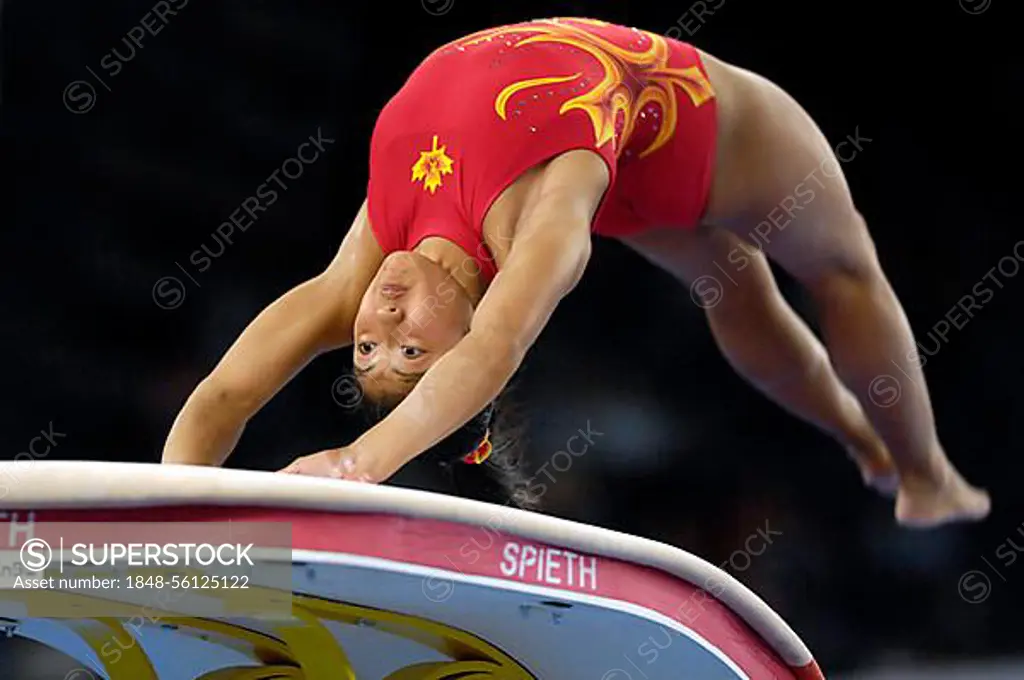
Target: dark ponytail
500 478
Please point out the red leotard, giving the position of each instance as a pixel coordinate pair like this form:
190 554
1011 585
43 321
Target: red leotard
481 111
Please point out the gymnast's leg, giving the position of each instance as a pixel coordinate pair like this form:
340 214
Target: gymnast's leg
765 340
825 244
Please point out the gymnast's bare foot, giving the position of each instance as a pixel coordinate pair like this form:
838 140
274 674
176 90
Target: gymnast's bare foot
876 466
927 503
880 476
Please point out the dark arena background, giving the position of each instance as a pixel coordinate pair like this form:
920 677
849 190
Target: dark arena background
121 295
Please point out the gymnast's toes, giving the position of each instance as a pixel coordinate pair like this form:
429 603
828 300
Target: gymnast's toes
886 483
876 468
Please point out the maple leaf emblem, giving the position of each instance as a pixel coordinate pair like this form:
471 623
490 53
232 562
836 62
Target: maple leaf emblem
431 165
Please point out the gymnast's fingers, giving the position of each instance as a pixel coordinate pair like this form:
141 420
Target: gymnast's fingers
293 468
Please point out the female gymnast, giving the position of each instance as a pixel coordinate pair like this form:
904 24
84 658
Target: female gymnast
489 171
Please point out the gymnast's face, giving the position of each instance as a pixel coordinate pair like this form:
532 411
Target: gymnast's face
411 314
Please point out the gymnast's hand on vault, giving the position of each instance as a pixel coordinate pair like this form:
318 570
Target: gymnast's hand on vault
340 463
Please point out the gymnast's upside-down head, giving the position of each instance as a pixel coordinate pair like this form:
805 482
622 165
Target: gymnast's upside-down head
414 311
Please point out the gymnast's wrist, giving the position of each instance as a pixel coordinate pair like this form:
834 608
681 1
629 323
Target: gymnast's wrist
182 453
175 458
378 455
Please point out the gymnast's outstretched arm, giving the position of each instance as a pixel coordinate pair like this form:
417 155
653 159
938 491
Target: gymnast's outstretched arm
547 259
312 318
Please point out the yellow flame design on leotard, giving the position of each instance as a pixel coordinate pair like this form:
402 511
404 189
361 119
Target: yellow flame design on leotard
631 79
